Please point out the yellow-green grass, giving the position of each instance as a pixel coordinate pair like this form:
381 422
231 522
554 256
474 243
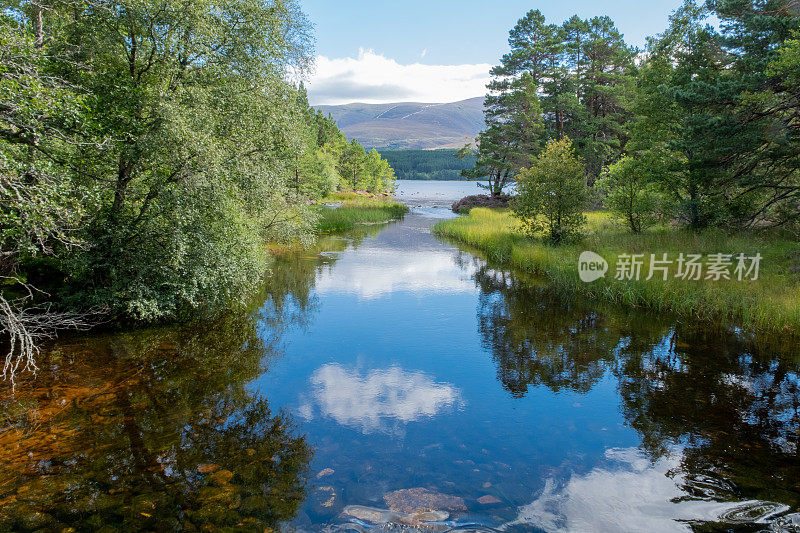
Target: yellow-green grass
360 210
770 304
344 196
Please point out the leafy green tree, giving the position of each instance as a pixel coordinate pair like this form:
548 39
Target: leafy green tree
352 165
514 131
573 80
717 120
552 193
42 205
607 87
380 173
629 194
317 173
686 55
185 149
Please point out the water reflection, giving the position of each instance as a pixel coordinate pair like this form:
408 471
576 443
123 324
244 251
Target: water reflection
538 412
733 408
375 401
634 494
375 273
540 339
405 258
717 414
153 430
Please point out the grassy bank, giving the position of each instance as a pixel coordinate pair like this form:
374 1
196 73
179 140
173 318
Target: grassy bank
358 210
770 304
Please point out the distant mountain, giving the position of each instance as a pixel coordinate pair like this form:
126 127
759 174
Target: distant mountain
410 126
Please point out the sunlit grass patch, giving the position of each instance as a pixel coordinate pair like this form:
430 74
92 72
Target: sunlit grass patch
358 211
771 303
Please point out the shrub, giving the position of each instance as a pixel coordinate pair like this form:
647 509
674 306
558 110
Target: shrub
629 194
552 193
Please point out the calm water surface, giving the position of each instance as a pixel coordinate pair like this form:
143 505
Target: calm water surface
388 360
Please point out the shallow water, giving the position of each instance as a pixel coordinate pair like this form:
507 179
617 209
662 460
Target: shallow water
407 363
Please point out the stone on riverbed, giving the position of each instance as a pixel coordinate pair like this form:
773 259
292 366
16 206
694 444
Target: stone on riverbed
325 472
418 500
371 514
387 516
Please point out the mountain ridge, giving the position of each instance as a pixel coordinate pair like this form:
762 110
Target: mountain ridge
410 125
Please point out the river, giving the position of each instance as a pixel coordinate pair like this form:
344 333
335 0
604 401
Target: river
388 373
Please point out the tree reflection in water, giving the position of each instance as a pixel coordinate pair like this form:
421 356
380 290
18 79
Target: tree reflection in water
732 408
157 430
152 430
539 339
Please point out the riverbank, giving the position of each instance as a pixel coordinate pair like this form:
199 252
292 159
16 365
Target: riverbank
769 304
357 209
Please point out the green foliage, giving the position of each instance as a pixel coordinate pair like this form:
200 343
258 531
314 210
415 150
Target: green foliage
380 175
573 80
197 164
427 164
327 162
41 205
766 307
716 115
629 194
154 147
708 117
318 166
552 193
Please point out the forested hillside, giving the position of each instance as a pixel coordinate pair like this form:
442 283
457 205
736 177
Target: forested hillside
428 164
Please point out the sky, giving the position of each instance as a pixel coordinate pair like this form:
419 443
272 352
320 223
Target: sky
433 51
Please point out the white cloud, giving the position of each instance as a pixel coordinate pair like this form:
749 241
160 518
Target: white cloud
374 78
372 401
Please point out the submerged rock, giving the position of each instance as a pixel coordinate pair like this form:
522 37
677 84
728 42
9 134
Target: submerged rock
488 500
386 516
325 502
430 516
417 500
325 472
207 468
370 514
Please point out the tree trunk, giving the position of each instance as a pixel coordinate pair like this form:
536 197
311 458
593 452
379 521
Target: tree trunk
297 174
38 25
124 176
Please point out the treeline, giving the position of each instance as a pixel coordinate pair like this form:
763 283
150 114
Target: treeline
428 164
148 150
701 127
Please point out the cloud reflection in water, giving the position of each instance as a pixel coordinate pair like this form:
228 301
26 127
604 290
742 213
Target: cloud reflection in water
637 496
373 402
374 273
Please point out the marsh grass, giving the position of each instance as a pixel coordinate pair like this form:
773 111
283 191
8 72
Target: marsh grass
358 210
770 304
